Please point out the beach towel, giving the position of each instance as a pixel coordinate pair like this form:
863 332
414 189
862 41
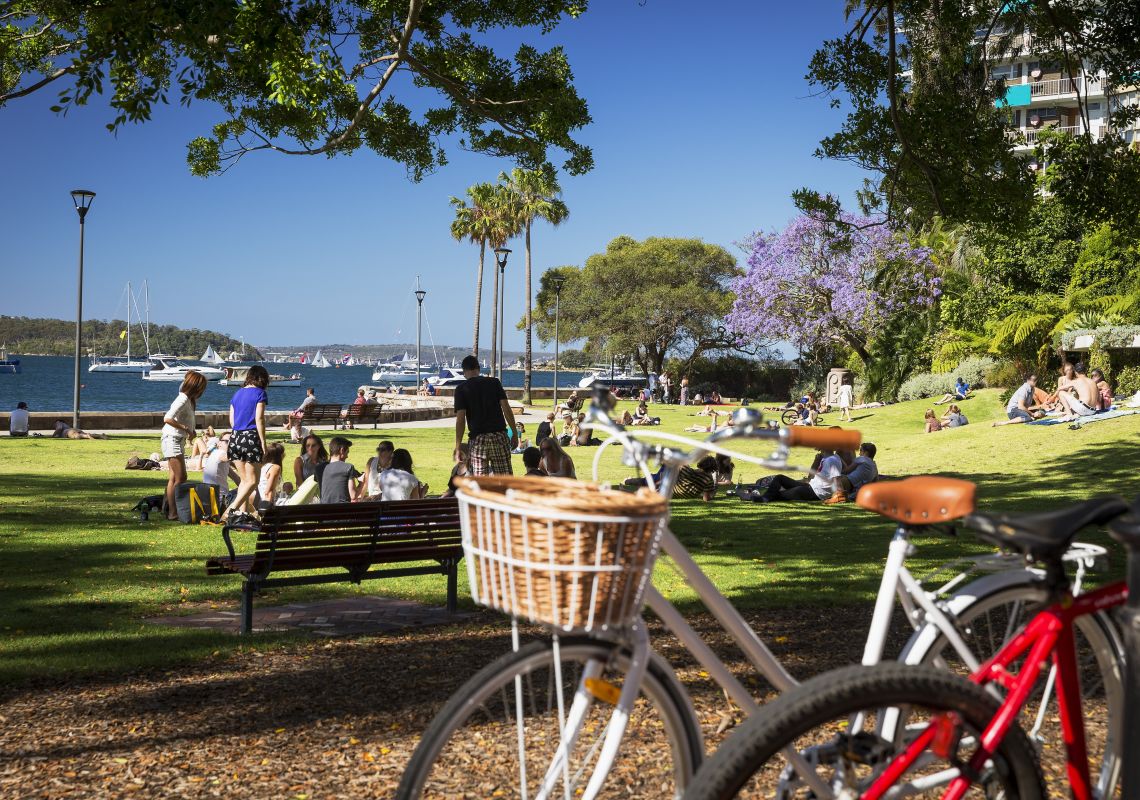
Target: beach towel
1080 422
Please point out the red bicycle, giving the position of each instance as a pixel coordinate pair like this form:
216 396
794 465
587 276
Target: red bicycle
892 730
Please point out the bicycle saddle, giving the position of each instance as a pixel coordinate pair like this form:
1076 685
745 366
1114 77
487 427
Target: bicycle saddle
921 500
1046 535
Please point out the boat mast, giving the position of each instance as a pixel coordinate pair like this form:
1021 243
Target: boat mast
130 299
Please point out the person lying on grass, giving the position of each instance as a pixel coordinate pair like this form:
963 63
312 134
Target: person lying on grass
820 486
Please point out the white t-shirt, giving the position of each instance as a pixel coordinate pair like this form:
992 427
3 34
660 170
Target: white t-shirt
824 481
396 484
182 411
216 468
845 395
18 422
263 484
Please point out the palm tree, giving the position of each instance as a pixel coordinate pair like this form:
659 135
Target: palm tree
533 194
483 222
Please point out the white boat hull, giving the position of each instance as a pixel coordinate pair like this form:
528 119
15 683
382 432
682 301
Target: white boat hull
397 377
130 366
209 373
272 382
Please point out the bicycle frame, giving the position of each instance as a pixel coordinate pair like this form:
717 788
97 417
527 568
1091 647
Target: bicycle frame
1050 632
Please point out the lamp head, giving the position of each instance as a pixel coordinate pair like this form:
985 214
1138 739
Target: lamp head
557 285
420 294
501 254
82 199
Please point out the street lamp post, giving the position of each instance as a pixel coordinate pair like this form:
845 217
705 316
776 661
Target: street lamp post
557 284
420 294
82 199
501 254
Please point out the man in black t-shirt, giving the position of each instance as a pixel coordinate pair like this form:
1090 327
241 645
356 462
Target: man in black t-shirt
481 406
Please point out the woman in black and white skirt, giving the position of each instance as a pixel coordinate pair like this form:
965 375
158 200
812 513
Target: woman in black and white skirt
247 443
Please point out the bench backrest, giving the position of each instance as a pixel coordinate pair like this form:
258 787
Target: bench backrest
356 535
365 411
323 411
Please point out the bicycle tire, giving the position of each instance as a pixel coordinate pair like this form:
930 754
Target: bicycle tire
671 721
789 417
1098 647
832 698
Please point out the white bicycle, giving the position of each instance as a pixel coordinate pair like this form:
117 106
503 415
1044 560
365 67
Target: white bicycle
593 711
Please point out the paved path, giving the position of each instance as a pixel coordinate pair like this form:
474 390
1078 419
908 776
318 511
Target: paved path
347 616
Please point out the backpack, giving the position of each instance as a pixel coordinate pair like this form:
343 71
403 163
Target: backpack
196 501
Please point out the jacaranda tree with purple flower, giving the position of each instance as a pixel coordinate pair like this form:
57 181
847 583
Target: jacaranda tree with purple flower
819 282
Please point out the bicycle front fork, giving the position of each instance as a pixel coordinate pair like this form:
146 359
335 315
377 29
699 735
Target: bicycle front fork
1126 530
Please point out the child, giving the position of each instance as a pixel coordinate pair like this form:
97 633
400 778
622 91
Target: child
339 480
932 423
177 428
532 456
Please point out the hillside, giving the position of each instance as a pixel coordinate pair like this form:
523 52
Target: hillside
56 337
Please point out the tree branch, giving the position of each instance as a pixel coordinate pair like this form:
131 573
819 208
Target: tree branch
59 73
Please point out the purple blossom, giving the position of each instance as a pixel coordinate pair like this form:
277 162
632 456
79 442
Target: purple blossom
815 281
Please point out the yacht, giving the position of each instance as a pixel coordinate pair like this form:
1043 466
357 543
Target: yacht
448 376
612 378
402 371
8 366
123 363
170 368
235 376
211 357
319 360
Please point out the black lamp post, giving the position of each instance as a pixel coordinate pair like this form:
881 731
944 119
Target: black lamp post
82 199
557 284
420 295
501 254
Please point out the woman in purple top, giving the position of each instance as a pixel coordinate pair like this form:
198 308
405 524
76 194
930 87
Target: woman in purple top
247 443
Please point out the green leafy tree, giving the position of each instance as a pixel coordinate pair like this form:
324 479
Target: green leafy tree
311 78
574 359
484 223
1031 329
532 195
1107 257
647 298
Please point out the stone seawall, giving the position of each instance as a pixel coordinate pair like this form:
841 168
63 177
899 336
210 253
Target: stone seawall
152 420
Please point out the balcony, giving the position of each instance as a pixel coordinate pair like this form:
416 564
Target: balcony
1031 135
1039 90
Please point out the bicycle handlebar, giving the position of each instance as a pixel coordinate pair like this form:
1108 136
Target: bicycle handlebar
823 438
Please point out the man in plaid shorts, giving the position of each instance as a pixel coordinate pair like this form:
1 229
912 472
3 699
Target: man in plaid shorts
481 406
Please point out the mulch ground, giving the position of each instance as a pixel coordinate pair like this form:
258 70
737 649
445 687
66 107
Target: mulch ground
327 719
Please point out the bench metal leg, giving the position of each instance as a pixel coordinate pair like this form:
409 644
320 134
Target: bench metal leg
452 585
247 608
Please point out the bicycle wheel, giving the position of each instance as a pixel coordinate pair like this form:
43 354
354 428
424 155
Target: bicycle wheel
987 619
471 749
830 722
789 417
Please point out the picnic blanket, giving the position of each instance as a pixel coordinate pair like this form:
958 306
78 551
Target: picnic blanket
1080 422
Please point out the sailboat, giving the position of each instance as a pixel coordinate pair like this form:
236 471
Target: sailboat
319 360
211 357
8 366
123 363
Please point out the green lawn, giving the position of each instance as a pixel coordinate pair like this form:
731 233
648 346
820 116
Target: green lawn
80 573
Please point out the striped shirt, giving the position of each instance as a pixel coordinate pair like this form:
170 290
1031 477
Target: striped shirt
693 483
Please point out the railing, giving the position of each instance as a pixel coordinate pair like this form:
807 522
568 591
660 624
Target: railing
1031 134
1067 85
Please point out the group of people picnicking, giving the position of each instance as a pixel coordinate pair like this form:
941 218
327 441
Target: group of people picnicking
1080 393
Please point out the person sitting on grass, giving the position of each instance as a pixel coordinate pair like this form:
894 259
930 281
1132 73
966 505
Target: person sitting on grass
1022 405
462 469
820 486
860 472
545 428
641 415
269 482
523 444
960 392
555 462
377 464
699 481
532 458
954 418
216 466
932 423
626 418
1103 388
581 434
399 481
1085 399
312 455
339 480
18 420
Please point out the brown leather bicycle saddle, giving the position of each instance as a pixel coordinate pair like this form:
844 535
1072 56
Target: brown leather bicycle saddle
921 500
1046 535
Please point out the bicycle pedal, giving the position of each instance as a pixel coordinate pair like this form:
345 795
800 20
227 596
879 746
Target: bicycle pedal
603 690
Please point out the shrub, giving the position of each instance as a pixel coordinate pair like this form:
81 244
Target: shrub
926 384
972 370
1128 381
1098 358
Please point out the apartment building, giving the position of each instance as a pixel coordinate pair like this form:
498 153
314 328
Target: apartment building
1041 95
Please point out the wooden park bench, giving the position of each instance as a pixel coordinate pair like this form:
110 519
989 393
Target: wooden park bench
322 412
362 413
342 542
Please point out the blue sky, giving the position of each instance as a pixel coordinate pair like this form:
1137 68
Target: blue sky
703 125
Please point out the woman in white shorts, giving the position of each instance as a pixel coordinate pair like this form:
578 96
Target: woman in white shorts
177 429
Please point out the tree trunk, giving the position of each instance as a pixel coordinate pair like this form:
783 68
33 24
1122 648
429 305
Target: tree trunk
495 324
858 346
479 297
528 363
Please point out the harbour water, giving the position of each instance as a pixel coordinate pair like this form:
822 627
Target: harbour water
45 384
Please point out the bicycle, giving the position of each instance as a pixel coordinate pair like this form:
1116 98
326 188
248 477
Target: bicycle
573 681
891 729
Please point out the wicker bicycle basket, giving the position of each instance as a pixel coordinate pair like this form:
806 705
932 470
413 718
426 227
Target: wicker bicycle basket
560 552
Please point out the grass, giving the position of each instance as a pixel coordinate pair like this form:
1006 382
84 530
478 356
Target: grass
81 574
